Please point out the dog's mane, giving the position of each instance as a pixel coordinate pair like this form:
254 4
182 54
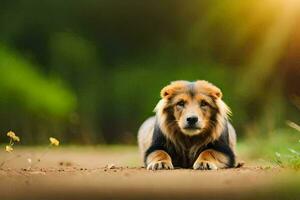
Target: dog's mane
169 127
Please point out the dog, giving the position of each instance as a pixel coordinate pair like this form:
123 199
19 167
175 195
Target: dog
191 129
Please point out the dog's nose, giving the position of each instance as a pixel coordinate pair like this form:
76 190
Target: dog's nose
192 120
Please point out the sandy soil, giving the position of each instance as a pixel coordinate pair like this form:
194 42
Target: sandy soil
116 173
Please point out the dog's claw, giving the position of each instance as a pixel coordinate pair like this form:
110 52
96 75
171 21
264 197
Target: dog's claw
204 165
160 165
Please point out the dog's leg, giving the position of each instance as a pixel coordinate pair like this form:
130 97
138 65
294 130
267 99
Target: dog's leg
159 159
211 159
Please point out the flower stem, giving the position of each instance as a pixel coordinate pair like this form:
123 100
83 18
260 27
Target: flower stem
41 156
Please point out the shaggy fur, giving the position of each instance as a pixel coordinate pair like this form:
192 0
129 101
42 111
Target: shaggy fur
165 142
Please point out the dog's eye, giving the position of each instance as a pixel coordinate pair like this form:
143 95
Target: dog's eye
203 103
181 104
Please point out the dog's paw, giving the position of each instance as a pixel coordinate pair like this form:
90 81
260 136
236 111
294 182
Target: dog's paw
204 165
160 165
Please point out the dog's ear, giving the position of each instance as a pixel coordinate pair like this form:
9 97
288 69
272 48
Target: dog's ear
210 89
166 91
217 94
169 90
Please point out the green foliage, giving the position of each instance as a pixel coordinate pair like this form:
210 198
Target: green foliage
21 83
293 158
281 148
92 71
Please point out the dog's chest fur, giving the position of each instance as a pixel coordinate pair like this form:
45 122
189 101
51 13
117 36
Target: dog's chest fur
185 150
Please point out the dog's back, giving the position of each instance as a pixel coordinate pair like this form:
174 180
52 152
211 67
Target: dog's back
145 134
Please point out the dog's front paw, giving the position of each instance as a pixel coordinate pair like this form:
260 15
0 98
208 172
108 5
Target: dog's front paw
204 165
159 165
158 160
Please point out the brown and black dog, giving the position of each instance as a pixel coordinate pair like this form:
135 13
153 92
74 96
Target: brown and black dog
190 129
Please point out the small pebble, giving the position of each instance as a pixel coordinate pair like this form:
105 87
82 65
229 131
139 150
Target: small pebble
111 166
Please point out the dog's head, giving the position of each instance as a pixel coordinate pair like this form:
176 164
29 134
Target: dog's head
191 107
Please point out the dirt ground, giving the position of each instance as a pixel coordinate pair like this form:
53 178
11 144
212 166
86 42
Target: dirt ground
116 173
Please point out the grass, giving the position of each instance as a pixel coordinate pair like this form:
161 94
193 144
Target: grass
281 147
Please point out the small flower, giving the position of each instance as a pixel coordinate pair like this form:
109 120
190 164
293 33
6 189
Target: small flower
8 148
16 138
54 141
11 134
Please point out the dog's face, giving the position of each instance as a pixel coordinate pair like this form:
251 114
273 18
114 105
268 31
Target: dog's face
192 105
192 113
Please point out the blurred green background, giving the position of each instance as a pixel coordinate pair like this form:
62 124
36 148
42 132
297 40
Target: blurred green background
90 71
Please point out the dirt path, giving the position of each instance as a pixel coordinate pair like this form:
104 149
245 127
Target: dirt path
115 173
